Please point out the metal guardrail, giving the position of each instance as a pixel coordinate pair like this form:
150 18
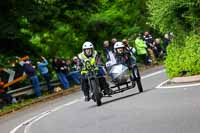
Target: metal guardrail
28 90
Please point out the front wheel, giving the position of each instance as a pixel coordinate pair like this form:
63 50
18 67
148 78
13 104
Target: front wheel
96 92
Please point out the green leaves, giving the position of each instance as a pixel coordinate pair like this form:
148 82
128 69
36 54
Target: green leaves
118 18
181 17
59 27
185 60
169 15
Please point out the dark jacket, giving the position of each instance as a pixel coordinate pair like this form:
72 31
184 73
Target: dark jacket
125 59
149 40
166 42
29 70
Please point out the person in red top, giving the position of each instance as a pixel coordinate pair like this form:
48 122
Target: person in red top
5 98
1 86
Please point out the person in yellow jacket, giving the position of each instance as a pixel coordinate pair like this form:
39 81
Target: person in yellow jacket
141 49
88 53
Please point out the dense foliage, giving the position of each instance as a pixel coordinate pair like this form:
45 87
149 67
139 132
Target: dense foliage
59 27
184 61
181 17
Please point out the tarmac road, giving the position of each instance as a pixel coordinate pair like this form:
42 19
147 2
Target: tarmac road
156 110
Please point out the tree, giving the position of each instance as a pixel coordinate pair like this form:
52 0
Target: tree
181 17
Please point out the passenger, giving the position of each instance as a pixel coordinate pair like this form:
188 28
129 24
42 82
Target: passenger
122 56
125 59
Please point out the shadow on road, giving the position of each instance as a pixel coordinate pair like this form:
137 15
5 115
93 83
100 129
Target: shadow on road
121 98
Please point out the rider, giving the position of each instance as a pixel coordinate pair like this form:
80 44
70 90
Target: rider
123 56
89 54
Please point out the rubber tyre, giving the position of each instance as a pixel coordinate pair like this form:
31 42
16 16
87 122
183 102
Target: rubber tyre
139 84
138 80
96 92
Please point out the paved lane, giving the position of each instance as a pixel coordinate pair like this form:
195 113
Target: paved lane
154 111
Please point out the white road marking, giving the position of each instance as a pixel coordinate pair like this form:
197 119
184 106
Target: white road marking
36 118
152 74
26 122
160 86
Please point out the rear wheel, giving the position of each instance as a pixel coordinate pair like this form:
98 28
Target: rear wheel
137 78
139 84
96 92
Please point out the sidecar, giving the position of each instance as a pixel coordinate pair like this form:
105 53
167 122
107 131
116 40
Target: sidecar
124 79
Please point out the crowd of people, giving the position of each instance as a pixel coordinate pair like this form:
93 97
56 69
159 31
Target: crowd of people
151 50
146 48
66 70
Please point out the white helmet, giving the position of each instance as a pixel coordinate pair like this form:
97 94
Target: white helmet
87 45
118 45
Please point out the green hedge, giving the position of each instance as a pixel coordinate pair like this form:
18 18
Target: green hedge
184 60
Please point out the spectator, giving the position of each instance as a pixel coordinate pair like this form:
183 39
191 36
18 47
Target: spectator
110 58
141 50
29 69
158 51
75 64
60 67
42 66
5 98
148 39
166 42
113 41
74 75
149 42
171 36
107 49
129 49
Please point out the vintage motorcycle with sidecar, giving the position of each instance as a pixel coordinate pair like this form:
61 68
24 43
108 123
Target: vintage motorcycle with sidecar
122 79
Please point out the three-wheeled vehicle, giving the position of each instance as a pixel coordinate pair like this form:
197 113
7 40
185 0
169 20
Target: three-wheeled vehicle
122 79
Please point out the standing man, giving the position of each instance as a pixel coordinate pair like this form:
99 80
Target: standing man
113 41
30 71
149 42
42 66
141 48
110 57
166 42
